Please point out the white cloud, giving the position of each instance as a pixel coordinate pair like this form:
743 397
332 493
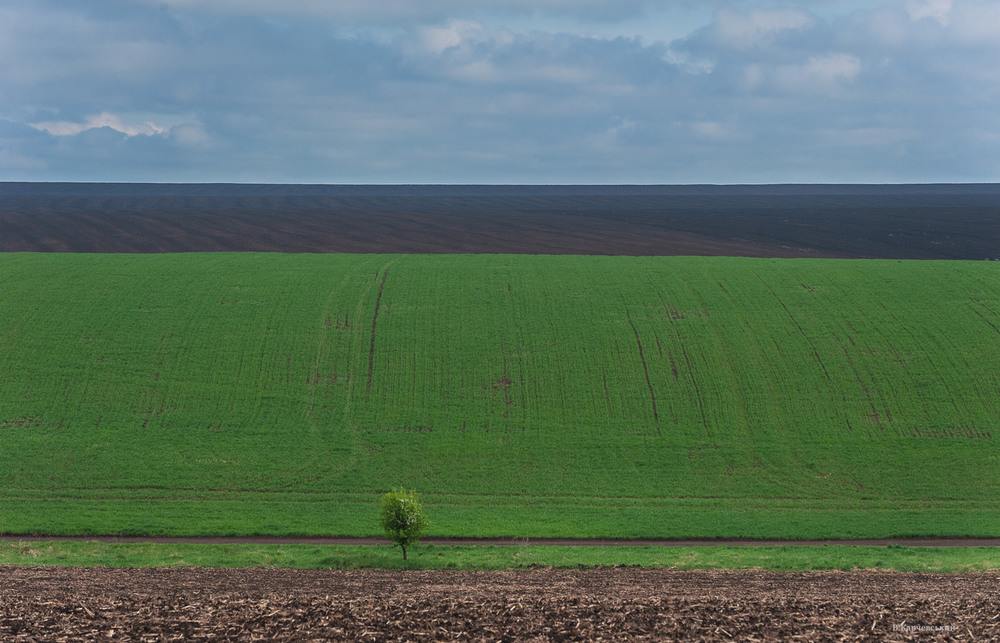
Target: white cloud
819 73
976 23
191 135
456 34
625 127
404 11
744 30
487 71
711 130
690 64
104 119
883 28
935 9
468 52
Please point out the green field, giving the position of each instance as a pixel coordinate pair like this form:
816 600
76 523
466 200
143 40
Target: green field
524 396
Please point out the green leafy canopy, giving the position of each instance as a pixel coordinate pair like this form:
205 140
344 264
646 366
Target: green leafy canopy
402 518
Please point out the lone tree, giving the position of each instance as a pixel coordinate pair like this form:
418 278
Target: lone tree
403 518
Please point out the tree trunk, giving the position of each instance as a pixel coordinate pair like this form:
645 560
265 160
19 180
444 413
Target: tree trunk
404 552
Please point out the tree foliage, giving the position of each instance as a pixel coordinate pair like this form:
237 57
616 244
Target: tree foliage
403 518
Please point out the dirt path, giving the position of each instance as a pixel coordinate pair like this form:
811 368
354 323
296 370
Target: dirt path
191 604
497 542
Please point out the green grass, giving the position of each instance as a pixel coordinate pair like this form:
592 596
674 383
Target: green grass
524 396
477 557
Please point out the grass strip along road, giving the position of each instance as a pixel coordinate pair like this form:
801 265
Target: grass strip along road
510 555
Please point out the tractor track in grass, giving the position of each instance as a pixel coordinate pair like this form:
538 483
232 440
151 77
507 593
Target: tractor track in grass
518 542
371 349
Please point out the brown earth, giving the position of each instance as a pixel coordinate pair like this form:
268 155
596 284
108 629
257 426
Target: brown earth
191 604
893 222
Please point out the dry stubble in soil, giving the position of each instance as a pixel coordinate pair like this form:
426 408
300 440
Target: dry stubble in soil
612 604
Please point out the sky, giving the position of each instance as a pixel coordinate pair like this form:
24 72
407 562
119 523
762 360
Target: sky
500 91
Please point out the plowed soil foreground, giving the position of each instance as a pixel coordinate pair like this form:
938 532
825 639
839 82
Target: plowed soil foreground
611 604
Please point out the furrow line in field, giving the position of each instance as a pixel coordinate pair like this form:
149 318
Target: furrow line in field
670 355
694 380
371 349
876 416
671 318
933 365
798 326
645 370
981 316
670 407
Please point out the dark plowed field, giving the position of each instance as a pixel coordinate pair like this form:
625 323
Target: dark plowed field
609 604
894 222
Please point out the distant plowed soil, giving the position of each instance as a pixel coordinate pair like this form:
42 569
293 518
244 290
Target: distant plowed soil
194 604
923 222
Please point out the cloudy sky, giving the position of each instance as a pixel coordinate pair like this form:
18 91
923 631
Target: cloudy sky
500 91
